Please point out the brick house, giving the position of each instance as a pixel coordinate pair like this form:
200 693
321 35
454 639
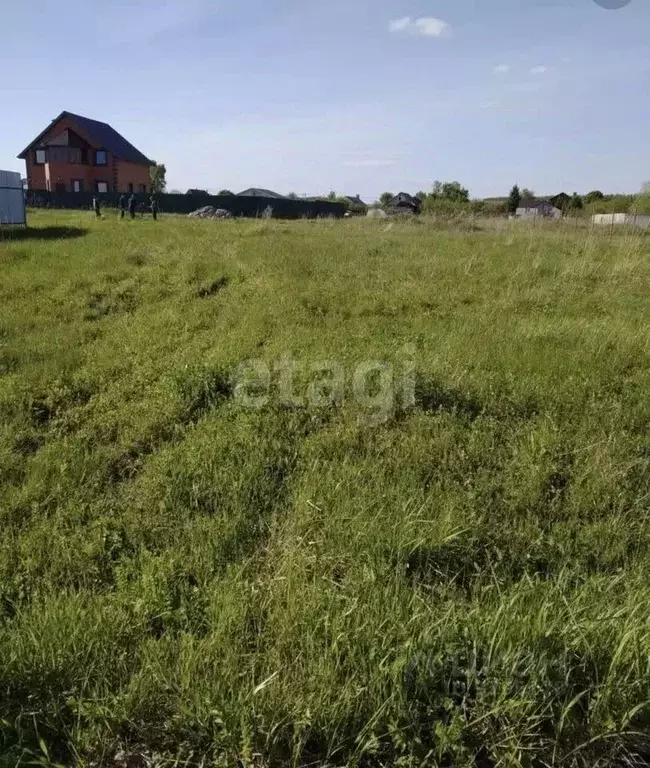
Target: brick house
76 154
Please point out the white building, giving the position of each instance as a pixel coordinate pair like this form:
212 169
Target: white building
619 219
540 208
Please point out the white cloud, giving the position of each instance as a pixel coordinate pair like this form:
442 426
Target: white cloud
432 27
502 69
425 27
538 70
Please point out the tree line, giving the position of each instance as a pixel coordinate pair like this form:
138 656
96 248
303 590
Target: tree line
450 197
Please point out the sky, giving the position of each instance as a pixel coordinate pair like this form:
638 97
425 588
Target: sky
358 97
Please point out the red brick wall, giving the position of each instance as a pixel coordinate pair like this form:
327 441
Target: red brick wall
35 175
65 173
116 172
131 173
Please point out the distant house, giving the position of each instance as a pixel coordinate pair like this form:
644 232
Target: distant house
256 192
538 208
77 154
560 201
356 204
404 203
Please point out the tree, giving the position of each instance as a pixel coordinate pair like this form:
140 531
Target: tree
292 196
332 196
641 204
421 195
225 193
514 199
157 178
594 196
452 190
527 197
575 203
386 197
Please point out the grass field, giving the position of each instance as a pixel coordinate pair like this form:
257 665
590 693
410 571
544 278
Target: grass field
458 579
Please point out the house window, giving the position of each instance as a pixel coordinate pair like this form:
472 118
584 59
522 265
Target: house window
143 187
40 157
100 157
129 188
101 186
77 185
64 155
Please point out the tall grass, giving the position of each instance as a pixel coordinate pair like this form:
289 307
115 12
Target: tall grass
187 581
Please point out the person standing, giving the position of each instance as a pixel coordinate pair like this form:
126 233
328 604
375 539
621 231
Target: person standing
154 207
122 205
132 206
97 207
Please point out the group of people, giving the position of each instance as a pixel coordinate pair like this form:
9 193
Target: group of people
124 205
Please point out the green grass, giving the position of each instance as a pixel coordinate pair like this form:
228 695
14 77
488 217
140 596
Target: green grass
195 582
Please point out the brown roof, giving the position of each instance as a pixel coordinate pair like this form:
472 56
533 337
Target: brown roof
101 134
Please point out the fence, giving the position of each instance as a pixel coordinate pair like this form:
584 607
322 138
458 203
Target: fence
629 219
282 208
